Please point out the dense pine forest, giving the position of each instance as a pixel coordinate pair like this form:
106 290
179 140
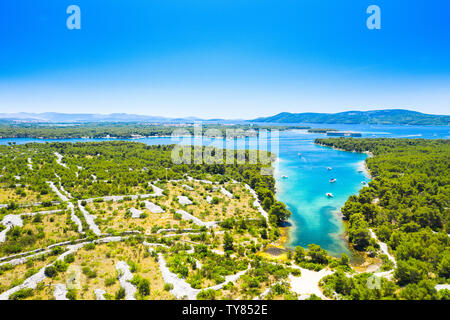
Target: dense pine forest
206 221
407 205
127 130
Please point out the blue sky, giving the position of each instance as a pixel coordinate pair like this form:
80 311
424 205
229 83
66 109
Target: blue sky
224 58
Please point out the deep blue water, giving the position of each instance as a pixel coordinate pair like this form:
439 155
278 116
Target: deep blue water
315 217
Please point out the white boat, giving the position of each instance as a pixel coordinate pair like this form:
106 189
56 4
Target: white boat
330 195
299 154
333 180
284 177
329 168
363 182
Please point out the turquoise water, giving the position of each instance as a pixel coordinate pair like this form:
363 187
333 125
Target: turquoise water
315 217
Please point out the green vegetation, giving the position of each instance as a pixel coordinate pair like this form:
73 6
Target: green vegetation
135 174
360 117
321 130
126 130
21 294
407 205
357 288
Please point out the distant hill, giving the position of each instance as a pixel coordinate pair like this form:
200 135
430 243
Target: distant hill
77 117
57 117
351 117
393 116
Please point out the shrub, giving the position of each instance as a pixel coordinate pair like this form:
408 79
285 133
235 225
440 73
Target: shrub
71 294
21 294
50 271
89 273
69 258
110 281
120 294
168 286
61 266
89 246
207 295
144 287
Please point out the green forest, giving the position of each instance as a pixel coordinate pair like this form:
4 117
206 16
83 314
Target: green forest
127 130
394 117
407 205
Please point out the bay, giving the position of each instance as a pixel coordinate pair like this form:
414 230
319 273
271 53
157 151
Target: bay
303 181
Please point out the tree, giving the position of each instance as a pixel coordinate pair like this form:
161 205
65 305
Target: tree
444 266
144 287
50 271
317 254
358 232
227 242
267 203
299 254
120 294
208 294
279 213
411 271
345 260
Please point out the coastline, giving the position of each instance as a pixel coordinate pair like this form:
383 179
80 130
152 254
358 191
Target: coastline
289 226
368 153
289 229
360 261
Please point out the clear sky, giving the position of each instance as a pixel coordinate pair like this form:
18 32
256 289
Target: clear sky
224 58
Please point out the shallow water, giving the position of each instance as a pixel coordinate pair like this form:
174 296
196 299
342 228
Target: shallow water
315 217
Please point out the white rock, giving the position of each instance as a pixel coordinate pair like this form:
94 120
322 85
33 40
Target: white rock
197 221
157 192
184 200
308 283
256 203
90 219
442 287
60 292
226 193
182 289
153 207
135 213
99 294
74 217
124 277
59 158
58 193
9 221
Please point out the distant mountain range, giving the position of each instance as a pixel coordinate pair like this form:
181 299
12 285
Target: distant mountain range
79 117
393 117
56 117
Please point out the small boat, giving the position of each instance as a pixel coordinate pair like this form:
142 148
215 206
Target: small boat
284 177
330 195
363 182
299 154
333 180
329 168
360 171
